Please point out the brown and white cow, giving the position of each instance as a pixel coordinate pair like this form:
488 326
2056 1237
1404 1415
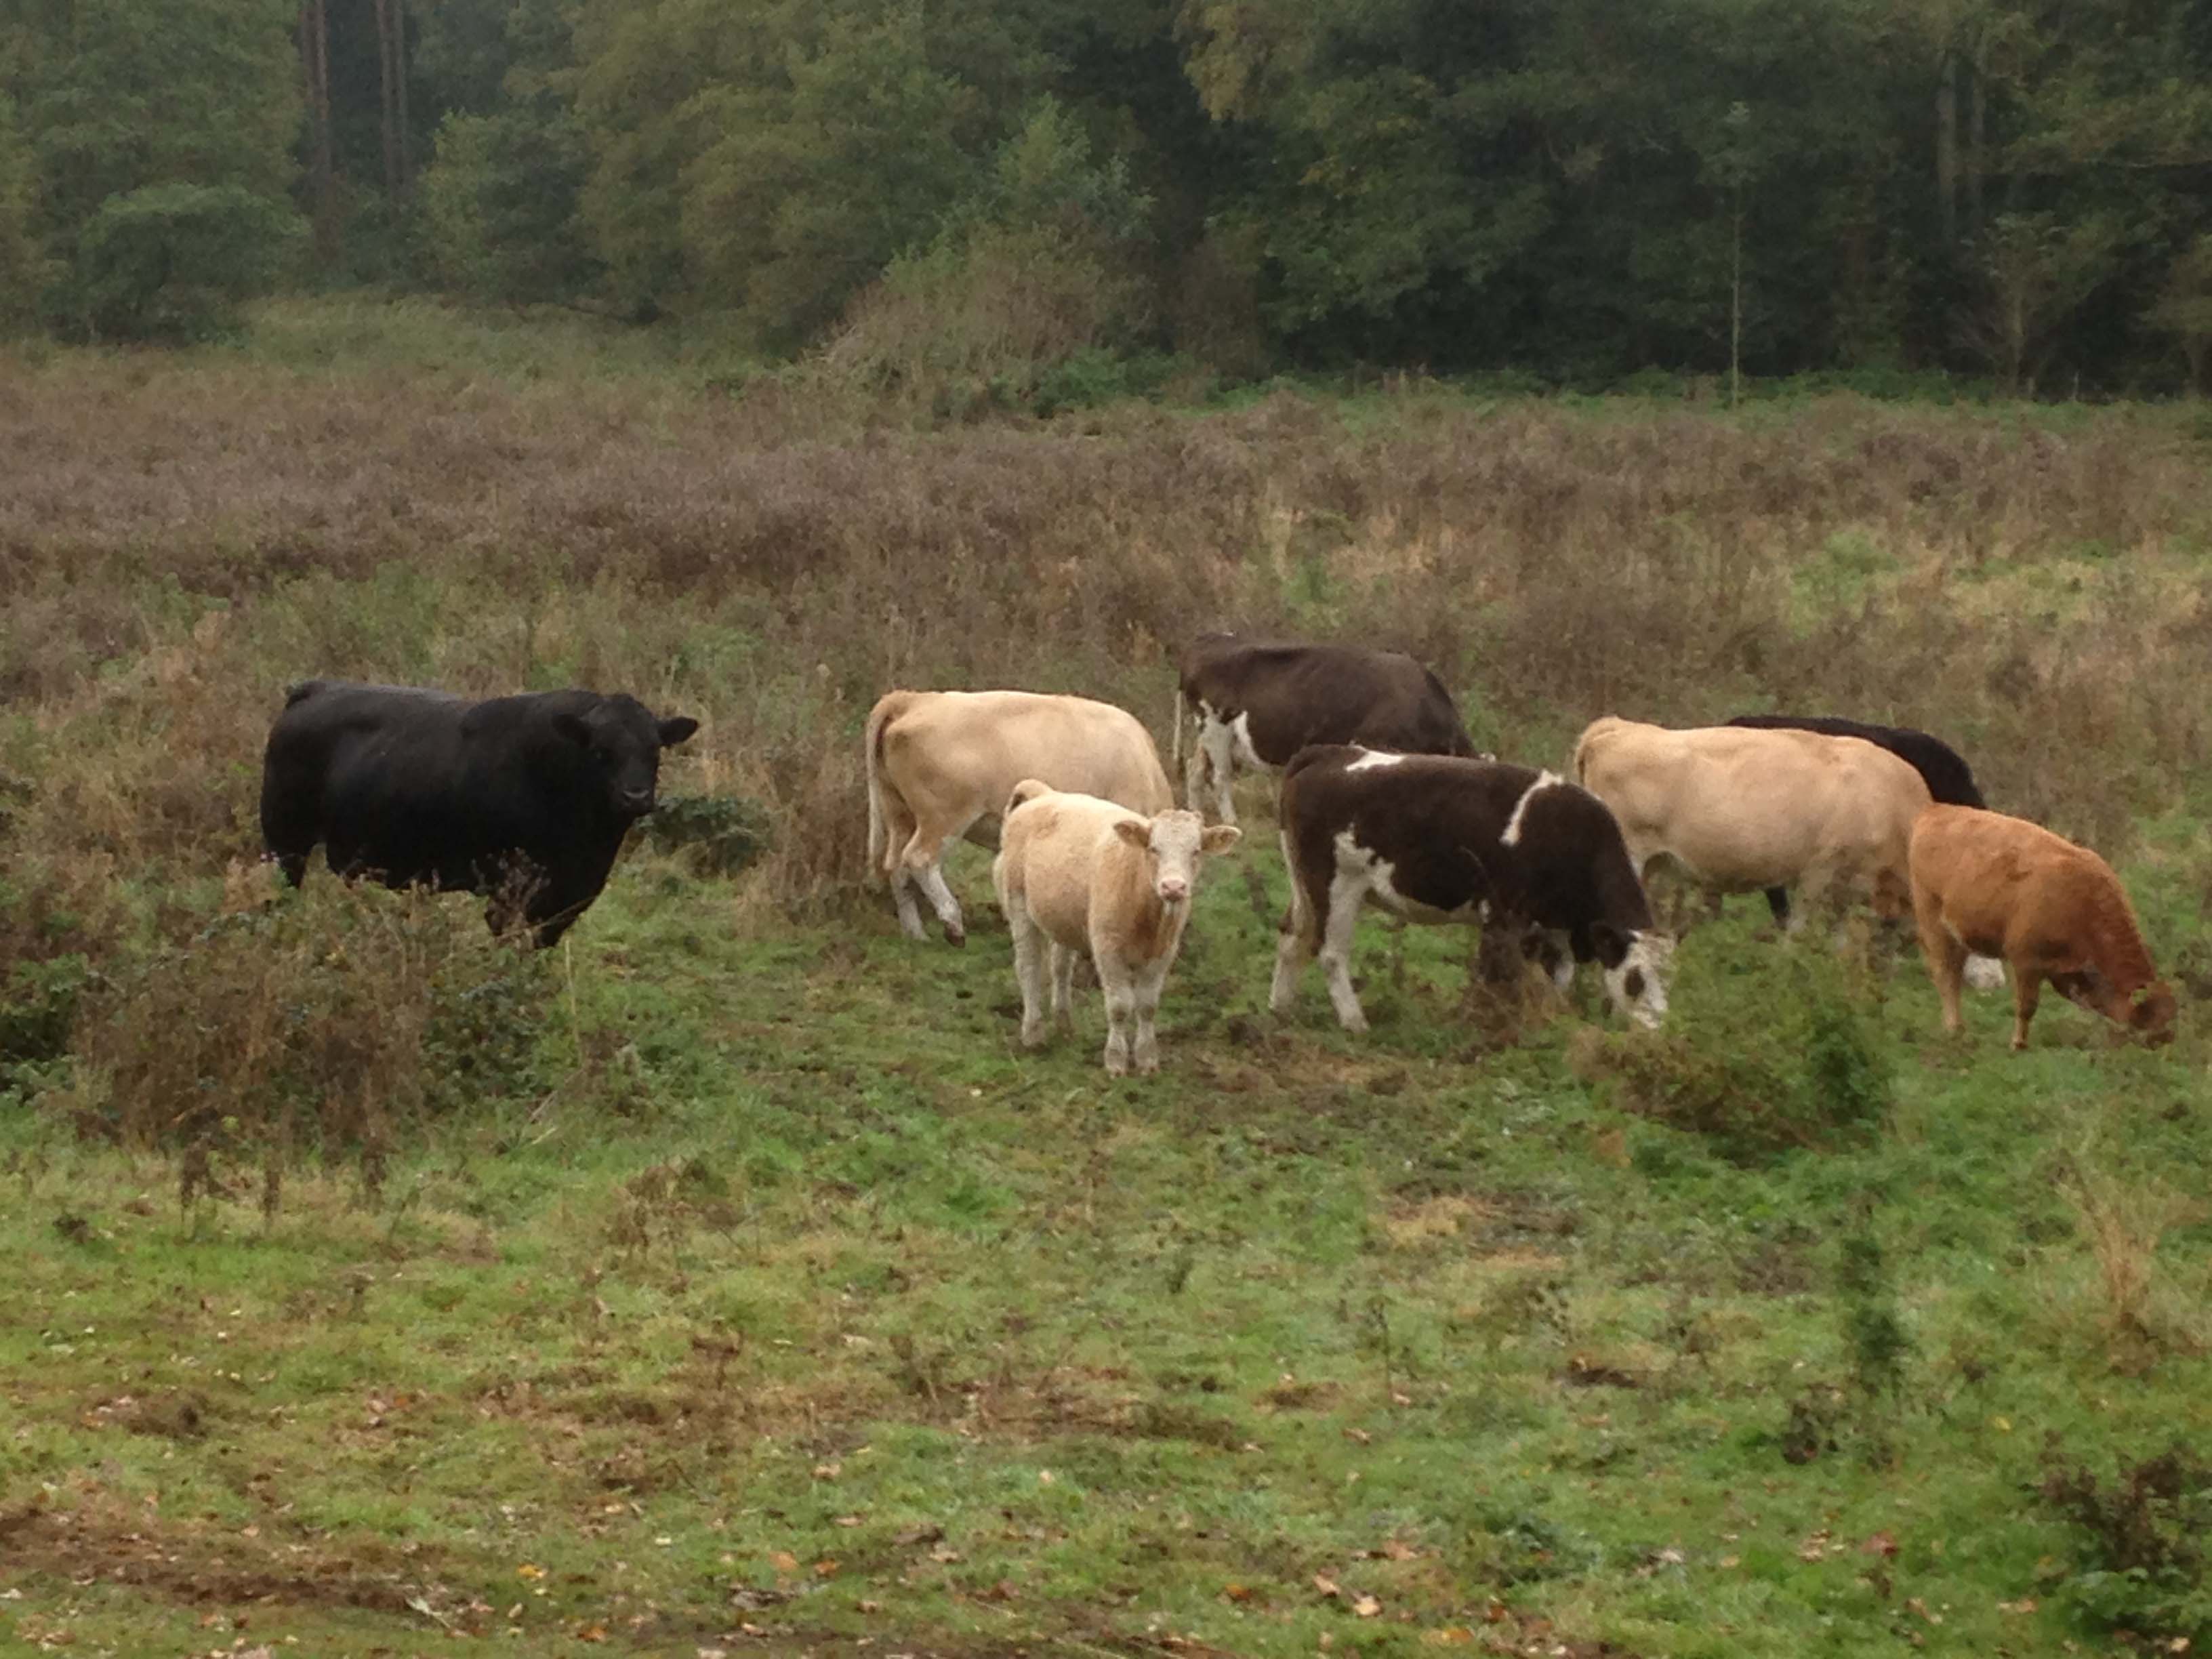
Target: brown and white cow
940 765
2007 888
1255 704
1742 810
1441 839
1077 874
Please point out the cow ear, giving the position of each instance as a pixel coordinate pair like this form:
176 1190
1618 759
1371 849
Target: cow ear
1220 838
676 728
1138 832
572 726
1608 944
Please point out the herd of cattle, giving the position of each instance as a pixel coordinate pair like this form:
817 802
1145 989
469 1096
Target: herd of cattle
1383 800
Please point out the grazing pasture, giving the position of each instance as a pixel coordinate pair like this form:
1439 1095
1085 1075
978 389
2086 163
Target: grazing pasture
729 1278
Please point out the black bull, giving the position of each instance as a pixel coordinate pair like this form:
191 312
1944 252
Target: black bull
524 798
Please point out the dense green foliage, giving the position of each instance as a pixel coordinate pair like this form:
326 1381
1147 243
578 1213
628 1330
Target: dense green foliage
1579 190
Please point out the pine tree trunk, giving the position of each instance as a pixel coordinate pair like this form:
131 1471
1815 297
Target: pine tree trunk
315 62
1947 147
388 81
1977 127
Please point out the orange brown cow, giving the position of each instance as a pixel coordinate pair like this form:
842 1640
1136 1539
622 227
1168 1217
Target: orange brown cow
2002 887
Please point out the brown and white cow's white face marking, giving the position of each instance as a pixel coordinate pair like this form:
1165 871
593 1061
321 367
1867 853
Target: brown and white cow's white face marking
1513 824
1370 759
1637 986
1176 842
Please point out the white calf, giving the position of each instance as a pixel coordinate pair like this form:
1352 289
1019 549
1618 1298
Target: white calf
1076 873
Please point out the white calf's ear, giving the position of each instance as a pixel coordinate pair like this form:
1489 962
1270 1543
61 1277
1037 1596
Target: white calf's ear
1138 832
1220 838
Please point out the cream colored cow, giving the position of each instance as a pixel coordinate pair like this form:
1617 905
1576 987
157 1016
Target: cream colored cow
1743 809
1077 873
940 765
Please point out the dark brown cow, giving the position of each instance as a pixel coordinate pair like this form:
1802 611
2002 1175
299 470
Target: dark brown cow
1257 702
1438 839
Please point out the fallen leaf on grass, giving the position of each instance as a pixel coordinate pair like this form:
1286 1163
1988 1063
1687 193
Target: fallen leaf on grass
2025 1604
825 1568
869 1607
783 1561
1396 1550
1449 1636
1326 1585
1879 1543
529 1570
846 1521
1366 1607
1237 1592
914 1536
828 1471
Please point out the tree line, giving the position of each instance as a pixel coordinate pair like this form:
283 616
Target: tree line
1574 190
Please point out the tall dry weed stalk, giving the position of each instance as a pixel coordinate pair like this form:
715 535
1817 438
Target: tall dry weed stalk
2123 1218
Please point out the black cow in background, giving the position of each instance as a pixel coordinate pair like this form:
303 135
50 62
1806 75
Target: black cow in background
524 798
1942 767
1258 702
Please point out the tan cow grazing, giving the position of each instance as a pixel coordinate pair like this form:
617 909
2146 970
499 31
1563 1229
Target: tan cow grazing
1743 809
2007 888
941 763
1076 873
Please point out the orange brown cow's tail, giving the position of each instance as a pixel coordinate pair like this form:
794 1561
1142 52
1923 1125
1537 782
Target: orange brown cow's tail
888 708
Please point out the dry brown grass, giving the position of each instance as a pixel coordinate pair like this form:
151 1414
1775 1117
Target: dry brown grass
181 542
2122 1220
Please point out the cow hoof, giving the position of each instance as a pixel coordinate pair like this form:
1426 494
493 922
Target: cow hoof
1033 1036
956 935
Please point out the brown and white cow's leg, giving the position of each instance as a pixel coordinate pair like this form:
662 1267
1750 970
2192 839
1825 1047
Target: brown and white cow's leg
1030 947
1296 940
1213 754
1348 892
1149 979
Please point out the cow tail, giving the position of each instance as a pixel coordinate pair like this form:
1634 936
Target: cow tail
1583 746
887 709
1182 713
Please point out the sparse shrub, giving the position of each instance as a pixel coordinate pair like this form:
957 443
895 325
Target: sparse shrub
721 835
1793 1067
2139 1564
330 1020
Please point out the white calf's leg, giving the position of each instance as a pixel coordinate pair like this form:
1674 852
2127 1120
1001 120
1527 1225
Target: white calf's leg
1063 987
1345 893
1148 985
1030 946
1121 1008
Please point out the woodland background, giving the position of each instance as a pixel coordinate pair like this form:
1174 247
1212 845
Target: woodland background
1029 200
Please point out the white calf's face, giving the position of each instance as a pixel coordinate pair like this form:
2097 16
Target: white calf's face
1175 843
1638 986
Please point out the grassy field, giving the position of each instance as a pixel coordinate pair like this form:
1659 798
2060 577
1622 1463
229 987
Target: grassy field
729 1279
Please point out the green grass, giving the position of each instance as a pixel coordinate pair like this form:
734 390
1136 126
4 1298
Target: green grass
863 1324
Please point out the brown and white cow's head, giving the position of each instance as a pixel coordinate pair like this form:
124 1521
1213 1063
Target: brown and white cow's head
1174 843
1636 965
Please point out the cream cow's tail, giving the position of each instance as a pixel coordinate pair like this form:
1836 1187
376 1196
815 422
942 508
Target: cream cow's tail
888 707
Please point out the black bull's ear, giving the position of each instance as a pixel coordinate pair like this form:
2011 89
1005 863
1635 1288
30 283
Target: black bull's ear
574 728
676 728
